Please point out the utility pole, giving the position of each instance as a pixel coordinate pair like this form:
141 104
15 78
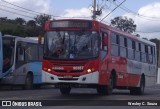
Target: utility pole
96 11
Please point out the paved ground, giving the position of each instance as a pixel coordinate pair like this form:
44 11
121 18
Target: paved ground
151 93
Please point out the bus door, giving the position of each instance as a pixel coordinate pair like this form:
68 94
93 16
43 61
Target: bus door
103 60
1 58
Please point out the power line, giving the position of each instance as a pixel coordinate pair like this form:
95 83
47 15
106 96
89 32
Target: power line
16 13
18 10
148 32
113 10
139 15
37 13
21 7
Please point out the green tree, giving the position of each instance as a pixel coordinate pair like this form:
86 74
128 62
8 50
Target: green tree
41 19
8 31
20 31
124 24
31 23
20 21
3 19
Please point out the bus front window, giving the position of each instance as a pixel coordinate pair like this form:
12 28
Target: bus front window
71 44
8 53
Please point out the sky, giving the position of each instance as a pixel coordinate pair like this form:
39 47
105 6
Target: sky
145 13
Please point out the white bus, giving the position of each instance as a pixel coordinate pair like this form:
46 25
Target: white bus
20 61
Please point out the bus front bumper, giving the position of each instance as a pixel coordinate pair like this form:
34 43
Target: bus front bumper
91 78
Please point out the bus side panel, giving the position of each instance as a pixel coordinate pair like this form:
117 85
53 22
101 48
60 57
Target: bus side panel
150 74
19 75
36 68
104 74
1 56
122 74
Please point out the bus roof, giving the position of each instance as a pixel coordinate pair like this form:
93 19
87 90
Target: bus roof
126 34
26 39
102 25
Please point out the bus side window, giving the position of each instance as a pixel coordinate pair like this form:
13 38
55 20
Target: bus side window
123 45
130 46
143 53
21 52
150 55
154 54
114 44
31 52
137 51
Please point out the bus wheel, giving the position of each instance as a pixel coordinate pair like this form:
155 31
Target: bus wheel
37 86
102 90
65 91
29 82
138 90
106 90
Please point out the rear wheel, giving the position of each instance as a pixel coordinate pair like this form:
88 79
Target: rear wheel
65 91
29 82
138 90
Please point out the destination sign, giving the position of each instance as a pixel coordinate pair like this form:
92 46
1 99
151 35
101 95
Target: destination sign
71 24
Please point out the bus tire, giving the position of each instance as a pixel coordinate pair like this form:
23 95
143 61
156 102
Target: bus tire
28 82
65 91
139 90
110 85
106 90
37 86
102 89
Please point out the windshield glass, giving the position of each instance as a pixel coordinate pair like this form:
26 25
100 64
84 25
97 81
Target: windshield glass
71 44
8 53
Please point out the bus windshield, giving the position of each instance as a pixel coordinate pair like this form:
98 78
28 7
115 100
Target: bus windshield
8 53
71 44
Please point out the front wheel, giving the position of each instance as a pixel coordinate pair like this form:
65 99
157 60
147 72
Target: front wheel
65 91
106 90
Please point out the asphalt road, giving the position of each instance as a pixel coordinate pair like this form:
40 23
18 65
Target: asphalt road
151 93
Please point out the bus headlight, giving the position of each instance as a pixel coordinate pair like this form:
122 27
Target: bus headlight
49 70
89 70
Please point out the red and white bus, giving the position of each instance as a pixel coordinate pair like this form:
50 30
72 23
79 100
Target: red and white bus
88 53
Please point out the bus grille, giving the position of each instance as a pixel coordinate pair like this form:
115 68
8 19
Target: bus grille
68 71
68 79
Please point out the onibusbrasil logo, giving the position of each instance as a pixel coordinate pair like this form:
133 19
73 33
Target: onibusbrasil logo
21 103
